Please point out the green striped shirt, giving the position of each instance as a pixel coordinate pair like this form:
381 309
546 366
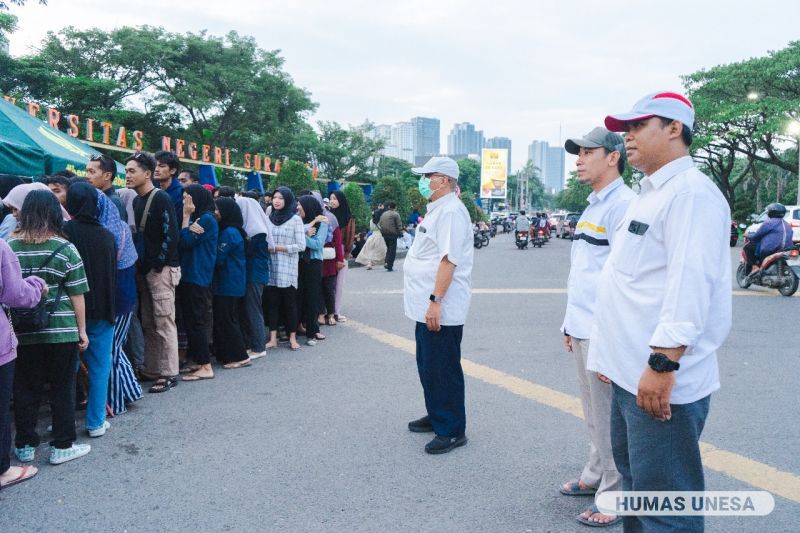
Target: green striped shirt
67 268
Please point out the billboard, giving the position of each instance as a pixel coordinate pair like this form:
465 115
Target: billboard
494 174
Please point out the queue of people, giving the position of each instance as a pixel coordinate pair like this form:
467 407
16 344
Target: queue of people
105 290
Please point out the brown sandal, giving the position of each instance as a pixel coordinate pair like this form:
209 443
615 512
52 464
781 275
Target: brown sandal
238 364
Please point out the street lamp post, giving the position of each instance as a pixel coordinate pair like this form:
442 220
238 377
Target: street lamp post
794 129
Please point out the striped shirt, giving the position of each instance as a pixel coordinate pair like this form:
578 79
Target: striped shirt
67 268
283 265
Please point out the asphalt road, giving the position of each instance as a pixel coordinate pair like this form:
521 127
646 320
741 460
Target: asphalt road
316 440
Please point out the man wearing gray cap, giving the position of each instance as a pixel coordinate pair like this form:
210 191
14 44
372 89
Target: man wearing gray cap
601 162
437 290
664 309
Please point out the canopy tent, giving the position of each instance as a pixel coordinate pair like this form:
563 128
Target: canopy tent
30 147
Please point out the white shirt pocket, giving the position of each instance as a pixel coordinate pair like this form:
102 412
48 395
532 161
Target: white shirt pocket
629 256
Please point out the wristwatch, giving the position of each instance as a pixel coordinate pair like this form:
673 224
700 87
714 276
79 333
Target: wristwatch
660 363
436 299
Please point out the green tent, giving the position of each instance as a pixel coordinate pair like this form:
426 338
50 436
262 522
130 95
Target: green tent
30 147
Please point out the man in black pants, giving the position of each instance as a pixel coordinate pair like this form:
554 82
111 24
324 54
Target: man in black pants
391 229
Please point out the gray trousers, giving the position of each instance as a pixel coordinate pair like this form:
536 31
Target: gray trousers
600 471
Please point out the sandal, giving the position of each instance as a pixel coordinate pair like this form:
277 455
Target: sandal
189 369
330 321
26 472
574 489
593 510
320 337
163 385
237 364
194 376
340 318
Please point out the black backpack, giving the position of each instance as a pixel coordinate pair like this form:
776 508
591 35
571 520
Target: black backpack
36 318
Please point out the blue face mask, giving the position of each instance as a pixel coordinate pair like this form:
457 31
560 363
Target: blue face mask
424 187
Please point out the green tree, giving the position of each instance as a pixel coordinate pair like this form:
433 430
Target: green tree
346 153
475 213
573 197
469 175
391 189
294 175
392 166
417 201
358 205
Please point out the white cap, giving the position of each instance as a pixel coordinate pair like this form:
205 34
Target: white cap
438 165
662 104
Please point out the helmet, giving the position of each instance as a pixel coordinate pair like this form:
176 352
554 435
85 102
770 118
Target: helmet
776 210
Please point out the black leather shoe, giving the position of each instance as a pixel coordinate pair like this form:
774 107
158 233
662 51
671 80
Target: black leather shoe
423 425
444 444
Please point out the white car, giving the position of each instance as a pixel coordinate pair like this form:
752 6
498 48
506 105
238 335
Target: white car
792 217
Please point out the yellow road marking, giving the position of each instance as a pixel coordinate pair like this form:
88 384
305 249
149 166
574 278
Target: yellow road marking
760 475
564 291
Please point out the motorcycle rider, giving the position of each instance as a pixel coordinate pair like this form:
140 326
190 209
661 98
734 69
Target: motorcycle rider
522 222
774 235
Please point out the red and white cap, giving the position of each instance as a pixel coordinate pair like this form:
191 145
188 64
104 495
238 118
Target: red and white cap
661 104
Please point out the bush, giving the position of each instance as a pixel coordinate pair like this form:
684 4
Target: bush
358 206
390 189
294 175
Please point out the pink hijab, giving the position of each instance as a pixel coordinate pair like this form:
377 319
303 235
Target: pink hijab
16 196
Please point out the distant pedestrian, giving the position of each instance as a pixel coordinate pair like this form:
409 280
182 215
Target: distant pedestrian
391 227
665 301
437 292
601 161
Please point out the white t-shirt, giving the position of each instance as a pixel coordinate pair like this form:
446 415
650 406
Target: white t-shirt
445 231
667 283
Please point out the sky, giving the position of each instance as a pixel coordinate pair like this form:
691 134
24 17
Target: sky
527 70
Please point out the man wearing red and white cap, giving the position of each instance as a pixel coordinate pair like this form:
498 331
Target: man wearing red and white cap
663 308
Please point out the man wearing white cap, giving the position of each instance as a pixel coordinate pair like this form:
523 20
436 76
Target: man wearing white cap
601 162
437 291
663 309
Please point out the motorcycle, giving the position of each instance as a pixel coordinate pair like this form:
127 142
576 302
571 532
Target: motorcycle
571 233
522 239
780 270
538 238
483 235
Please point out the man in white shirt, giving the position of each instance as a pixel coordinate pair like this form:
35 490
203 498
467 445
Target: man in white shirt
437 291
663 309
601 162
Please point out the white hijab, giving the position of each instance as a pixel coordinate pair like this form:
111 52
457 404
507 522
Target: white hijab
255 220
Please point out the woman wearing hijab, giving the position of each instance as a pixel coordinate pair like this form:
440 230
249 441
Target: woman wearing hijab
341 209
123 386
229 286
330 270
197 244
374 250
286 241
13 201
50 354
315 224
255 226
97 249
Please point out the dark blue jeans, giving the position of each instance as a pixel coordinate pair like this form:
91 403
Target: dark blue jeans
439 365
6 386
657 456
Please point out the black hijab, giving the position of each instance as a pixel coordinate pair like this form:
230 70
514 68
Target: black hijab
82 203
311 208
97 249
230 216
342 213
280 216
201 198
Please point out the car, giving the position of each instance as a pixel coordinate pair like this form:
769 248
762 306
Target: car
563 227
555 223
792 217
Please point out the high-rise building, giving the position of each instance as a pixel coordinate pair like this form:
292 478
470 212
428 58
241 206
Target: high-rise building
550 161
425 136
464 139
403 140
554 175
501 142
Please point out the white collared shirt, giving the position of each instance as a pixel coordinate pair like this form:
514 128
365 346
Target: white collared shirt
594 234
667 283
446 230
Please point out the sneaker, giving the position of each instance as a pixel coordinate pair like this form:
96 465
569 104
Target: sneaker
58 455
423 425
256 355
444 444
99 432
25 454
311 342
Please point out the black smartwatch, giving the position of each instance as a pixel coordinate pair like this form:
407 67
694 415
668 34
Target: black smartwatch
660 363
436 299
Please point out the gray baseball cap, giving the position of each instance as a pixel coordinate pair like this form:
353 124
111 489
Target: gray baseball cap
597 138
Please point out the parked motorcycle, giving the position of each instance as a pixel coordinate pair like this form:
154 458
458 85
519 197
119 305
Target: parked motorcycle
483 235
780 270
522 239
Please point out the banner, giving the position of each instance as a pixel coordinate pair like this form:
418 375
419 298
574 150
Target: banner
494 174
